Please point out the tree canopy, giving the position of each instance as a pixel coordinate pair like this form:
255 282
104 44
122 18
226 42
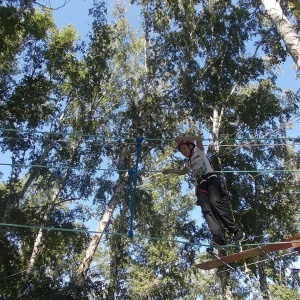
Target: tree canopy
87 125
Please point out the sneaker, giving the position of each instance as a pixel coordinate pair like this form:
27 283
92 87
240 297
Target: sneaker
216 249
239 236
217 241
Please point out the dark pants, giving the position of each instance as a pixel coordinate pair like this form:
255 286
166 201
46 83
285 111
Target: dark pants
214 210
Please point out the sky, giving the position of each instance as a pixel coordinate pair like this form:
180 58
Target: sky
75 12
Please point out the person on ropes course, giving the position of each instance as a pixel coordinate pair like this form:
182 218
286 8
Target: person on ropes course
209 190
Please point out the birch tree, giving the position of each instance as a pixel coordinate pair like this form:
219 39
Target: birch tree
215 94
284 28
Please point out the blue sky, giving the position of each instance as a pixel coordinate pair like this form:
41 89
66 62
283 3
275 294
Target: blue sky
75 12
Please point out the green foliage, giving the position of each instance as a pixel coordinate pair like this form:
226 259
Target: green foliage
190 61
292 9
282 292
10 263
60 52
29 102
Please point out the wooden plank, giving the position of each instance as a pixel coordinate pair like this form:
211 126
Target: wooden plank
293 238
250 253
296 246
207 265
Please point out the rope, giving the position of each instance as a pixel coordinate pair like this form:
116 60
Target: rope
123 141
247 145
49 228
62 167
144 171
247 271
21 272
225 186
259 261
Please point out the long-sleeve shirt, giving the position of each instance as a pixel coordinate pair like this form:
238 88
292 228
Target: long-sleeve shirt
199 163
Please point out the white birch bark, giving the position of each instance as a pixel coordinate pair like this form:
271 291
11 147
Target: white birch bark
37 247
286 31
216 120
89 254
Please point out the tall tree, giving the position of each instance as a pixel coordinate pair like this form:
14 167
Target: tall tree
285 29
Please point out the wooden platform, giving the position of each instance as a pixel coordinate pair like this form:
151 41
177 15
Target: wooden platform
293 242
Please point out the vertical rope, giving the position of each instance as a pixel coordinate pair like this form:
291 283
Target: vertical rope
225 186
133 175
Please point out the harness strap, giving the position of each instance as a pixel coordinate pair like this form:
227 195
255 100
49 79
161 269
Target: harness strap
203 191
225 185
212 175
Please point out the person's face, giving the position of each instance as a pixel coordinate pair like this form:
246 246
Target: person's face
185 150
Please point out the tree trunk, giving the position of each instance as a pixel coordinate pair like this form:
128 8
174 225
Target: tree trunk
117 252
89 254
286 31
38 240
216 120
263 280
13 203
37 247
